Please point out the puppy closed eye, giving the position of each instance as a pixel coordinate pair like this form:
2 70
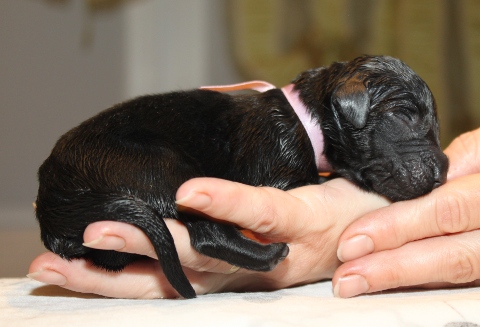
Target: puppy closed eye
401 123
408 115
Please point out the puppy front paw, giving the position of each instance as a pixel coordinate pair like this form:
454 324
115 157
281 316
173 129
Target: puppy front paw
282 255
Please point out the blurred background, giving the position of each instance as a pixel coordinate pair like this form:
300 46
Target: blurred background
62 61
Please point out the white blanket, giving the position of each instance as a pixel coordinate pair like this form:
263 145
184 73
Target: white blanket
28 303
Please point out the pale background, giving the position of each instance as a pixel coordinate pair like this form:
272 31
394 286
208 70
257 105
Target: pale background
62 61
59 65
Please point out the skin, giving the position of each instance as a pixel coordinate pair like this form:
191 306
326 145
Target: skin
312 241
442 229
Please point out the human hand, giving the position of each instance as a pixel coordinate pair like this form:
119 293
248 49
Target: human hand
432 241
309 218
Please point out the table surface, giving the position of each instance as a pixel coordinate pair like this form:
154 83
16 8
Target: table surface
24 302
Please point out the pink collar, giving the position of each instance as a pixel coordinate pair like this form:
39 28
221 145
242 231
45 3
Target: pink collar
313 129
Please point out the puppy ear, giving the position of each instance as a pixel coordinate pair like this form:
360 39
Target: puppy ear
352 100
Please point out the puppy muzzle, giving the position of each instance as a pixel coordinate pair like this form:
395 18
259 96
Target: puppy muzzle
408 177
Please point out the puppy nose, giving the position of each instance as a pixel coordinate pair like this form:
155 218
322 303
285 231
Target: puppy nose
441 170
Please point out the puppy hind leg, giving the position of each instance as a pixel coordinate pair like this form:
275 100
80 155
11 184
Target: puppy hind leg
227 243
111 260
138 213
94 206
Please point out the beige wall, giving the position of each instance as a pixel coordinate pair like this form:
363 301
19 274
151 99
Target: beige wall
50 81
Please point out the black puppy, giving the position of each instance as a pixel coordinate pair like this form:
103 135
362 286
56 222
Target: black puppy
376 117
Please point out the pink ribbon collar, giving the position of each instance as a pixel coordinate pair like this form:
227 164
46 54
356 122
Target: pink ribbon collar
313 128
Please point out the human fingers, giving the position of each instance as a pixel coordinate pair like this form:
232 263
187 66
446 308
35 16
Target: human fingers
122 237
452 208
142 279
252 208
329 208
452 259
117 236
309 218
464 155
285 215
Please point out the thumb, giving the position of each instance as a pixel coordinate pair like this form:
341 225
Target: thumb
263 210
464 155
276 213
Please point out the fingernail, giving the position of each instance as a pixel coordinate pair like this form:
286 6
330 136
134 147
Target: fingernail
106 242
195 200
354 248
48 277
349 286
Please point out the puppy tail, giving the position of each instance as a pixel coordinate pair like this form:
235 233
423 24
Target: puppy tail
137 212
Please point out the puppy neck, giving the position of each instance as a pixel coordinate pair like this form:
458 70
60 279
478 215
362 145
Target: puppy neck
311 126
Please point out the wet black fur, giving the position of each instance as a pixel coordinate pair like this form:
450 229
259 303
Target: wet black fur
126 163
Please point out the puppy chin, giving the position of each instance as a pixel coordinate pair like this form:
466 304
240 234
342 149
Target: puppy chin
399 190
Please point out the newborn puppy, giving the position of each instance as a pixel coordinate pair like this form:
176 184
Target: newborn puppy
371 120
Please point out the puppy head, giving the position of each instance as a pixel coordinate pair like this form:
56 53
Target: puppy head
380 127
